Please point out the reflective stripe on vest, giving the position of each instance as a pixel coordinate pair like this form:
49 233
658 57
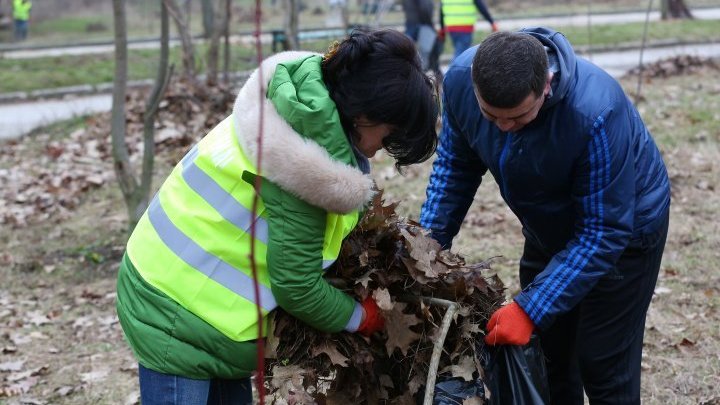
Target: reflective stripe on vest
212 266
220 199
459 12
193 242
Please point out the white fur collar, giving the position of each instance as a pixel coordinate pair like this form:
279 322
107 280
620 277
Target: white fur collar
296 164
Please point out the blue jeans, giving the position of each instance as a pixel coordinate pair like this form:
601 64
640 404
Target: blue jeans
21 30
411 30
165 389
461 42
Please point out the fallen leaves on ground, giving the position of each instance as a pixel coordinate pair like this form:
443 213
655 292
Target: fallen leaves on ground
674 66
45 179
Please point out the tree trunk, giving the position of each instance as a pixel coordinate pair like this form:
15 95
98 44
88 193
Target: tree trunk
121 156
345 13
674 9
136 195
213 53
183 28
291 24
208 16
226 33
141 196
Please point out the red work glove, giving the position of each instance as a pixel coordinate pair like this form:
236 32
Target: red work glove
494 27
373 320
441 35
509 325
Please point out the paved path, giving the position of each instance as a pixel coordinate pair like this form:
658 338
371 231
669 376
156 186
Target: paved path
596 19
618 63
510 24
19 118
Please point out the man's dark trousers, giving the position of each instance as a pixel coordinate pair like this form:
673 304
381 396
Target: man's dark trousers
598 345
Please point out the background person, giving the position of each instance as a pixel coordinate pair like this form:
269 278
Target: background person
457 18
419 27
185 290
21 15
576 164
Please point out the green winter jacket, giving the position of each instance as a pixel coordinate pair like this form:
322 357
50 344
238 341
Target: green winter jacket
310 171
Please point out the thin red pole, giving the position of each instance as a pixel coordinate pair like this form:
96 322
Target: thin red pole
260 373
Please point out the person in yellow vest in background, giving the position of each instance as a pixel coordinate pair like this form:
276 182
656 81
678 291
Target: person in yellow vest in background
21 15
186 298
457 18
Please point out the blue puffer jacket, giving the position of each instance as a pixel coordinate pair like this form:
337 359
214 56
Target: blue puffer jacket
585 177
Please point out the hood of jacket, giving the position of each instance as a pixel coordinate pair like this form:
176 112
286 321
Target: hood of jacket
304 150
559 47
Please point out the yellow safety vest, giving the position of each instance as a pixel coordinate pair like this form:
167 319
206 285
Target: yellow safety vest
459 12
21 10
193 242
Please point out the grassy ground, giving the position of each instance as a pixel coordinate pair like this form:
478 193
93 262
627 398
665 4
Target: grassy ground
57 294
49 72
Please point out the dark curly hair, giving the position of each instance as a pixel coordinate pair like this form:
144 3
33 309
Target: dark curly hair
377 74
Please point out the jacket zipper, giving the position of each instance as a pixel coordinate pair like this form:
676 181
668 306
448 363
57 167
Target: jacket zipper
503 186
501 163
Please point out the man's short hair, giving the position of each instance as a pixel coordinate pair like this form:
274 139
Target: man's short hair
507 67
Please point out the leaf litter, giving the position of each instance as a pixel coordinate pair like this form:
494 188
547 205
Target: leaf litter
52 183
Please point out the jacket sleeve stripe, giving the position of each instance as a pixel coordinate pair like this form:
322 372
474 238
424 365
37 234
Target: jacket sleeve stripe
592 232
439 178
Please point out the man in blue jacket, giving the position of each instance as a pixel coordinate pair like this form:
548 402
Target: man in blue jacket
576 164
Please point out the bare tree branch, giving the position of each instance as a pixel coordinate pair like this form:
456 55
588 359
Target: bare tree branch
291 24
437 351
141 197
180 19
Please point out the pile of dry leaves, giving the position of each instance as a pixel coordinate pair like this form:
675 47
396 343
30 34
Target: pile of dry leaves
61 170
675 66
397 263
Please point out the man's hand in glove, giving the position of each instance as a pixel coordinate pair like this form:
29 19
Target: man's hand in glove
509 325
373 320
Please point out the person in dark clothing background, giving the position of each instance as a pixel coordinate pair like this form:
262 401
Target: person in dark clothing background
576 164
417 13
419 27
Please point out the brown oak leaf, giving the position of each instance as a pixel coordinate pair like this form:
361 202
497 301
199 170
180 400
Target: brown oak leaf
464 369
397 326
332 352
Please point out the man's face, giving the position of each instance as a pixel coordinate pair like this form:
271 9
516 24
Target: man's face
515 118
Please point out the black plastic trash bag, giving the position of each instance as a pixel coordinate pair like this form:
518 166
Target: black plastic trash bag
454 391
516 375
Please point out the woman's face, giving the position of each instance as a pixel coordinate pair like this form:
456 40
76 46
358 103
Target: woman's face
370 135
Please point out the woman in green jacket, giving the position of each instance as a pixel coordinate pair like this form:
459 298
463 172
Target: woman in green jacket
186 297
